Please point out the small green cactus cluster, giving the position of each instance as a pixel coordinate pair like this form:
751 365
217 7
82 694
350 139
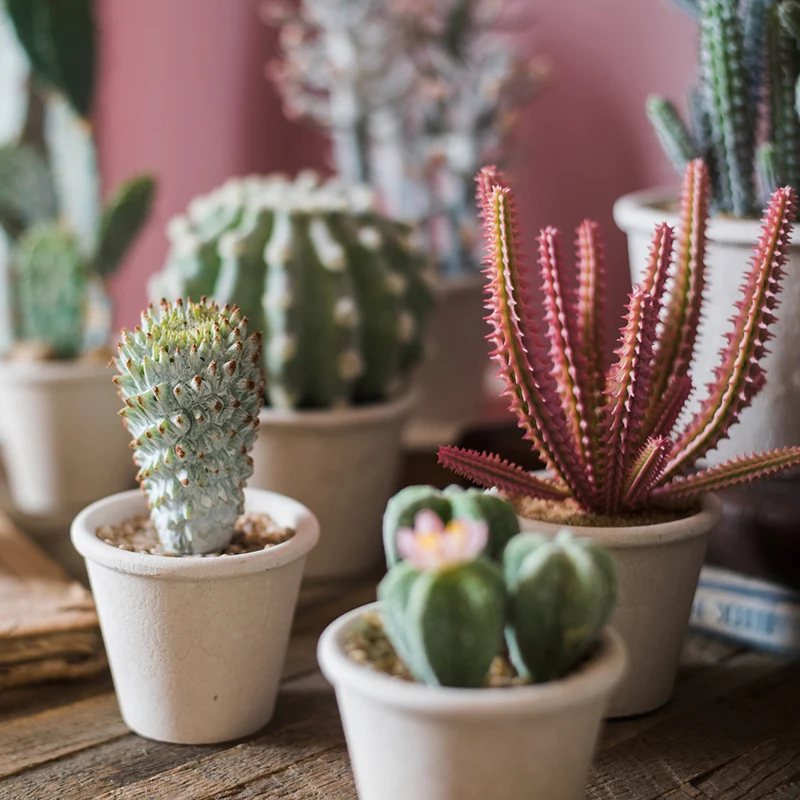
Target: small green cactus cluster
748 82
192 384
338 290
450 608
62 247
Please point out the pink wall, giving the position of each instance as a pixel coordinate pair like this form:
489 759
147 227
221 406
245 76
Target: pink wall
183 95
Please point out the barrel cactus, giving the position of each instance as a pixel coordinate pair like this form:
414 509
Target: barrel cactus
191 380
749 71
448 607
338 290
452 503
561 593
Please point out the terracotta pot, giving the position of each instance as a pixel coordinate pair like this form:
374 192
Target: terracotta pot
451 379
343 464
64 445
407 740
772 419
658 567
196 645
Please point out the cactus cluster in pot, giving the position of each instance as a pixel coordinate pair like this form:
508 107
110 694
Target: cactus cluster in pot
192 384
743 109
338 290
461 591
613 438
63 245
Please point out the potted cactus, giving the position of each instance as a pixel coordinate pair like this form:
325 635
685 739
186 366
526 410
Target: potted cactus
416 96
61 440
342 298
195 628
484 669
744 124
618 452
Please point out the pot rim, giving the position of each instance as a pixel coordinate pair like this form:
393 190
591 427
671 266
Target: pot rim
349 416
637 211
84 540
692 527
60 371
588 683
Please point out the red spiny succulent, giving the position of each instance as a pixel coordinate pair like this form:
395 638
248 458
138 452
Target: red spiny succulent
608 436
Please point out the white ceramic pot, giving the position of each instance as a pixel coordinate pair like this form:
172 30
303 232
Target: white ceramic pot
772 420
196 645
343 464
407 740
658 568
451 379
64 445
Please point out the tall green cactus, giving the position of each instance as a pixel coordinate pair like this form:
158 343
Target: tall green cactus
50 189
192 384
447 608
337 289
749 70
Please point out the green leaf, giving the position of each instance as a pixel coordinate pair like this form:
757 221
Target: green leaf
59 38
122 221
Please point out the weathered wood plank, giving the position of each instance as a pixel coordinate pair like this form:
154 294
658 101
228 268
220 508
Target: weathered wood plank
690 744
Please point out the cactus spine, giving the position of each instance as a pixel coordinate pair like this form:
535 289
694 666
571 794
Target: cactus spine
337 289
192 384
561 593
749 71
448 609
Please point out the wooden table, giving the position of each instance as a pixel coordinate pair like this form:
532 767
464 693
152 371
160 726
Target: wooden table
732 731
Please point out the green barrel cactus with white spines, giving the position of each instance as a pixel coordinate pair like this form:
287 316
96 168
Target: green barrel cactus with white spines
338 290
191 380
561 592
452 503
444 604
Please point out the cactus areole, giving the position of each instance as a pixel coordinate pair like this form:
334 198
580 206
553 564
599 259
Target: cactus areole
191 381
613 439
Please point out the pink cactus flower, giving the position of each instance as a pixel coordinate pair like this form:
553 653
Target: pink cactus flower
432 545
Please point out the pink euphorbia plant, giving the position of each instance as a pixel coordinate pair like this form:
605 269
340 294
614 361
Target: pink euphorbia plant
612 439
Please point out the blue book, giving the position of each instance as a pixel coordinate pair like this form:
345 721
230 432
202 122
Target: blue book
754 612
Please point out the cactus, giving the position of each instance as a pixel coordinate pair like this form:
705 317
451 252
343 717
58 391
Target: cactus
561 593
612 439
452 503
749 71
50 189
337 289
192 384
415 95
444 604
448 608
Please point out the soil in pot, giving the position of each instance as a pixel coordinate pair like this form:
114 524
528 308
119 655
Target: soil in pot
254 532
567 512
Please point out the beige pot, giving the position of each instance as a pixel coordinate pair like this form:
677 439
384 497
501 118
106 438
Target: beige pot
196 645
772 419
451 380
658 567
343 464
408 741
64 445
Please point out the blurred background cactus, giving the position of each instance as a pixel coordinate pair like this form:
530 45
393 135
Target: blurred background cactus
338 290
416 96
192 384
58 242
447 608
748 83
